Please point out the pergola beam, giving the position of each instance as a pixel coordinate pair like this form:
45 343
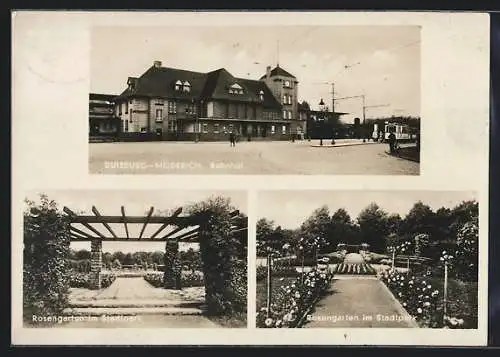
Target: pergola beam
96 212
124 221
174 215
180 221
185 234
73 216
151 210
80 232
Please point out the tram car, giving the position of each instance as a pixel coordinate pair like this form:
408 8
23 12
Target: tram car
402 132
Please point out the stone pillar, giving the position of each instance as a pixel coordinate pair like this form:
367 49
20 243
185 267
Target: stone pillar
95 263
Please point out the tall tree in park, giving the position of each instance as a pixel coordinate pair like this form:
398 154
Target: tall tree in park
343 229
373 227
316 227
467 259
442 223
265 233
420 219
394 222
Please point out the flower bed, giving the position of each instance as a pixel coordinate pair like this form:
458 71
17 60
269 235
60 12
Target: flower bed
293 301
82 280
421 299
355 269
188 279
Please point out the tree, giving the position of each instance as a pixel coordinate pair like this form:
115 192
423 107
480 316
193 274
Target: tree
157 257
394 222
81 254
316 227
120 256
128 259
343 229
420 219
373 227
264 233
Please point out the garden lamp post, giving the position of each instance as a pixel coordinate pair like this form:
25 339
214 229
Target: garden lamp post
269 284
446 259
301 249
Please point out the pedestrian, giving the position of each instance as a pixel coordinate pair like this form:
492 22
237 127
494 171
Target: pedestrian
232 139
392 143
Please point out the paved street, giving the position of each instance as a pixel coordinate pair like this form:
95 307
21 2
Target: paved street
277 157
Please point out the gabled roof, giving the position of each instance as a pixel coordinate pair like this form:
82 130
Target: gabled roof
278 71
257 86
161 81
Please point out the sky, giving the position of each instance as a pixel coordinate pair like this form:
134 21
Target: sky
136 203
383 61
290 208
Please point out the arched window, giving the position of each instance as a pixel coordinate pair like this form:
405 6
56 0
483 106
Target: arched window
261 95
187 86
178 85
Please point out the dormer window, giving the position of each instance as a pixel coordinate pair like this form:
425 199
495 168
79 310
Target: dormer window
186 86
261 95
235 89
178 85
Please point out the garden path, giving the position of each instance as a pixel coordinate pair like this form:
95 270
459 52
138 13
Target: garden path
359 302
133 302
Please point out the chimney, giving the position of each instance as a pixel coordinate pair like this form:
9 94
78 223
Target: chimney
157 64
268 72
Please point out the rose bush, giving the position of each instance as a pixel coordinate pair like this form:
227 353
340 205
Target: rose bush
294 300
417 295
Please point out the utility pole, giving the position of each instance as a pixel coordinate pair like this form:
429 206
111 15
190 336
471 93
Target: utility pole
333 98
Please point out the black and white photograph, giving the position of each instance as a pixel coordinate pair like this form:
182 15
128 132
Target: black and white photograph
111 259
367 259
255 100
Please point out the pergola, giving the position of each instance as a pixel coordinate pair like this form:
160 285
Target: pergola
181 228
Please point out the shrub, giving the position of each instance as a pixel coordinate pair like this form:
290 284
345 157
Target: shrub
192 279
294 301
79 280
155 279
107 279
45 261
82 280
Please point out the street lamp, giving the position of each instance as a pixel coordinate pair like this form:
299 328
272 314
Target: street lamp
322 119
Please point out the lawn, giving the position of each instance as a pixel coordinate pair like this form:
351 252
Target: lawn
276 284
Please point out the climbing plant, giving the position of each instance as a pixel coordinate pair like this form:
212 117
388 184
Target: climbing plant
225 285
46 263
172 272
